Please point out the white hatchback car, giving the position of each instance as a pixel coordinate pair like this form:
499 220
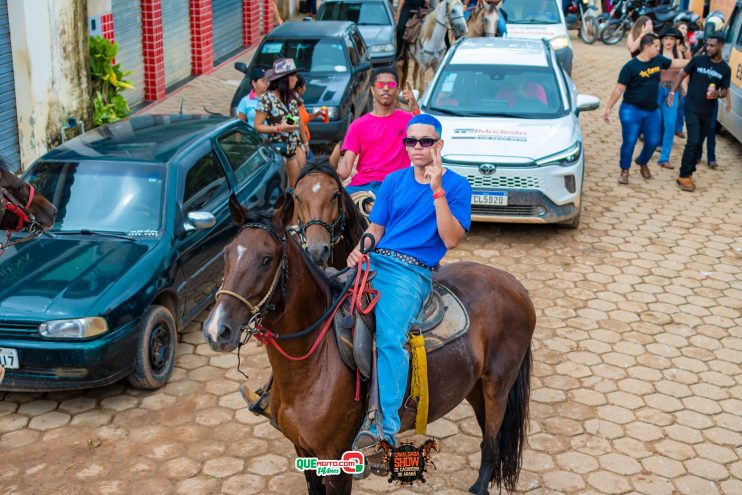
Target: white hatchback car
510 123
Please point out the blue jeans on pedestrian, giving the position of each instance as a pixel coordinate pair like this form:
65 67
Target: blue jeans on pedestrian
635 121
669 117
680 121
370 187
403 288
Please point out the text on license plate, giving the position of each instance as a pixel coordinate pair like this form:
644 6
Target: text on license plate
497 198
9 358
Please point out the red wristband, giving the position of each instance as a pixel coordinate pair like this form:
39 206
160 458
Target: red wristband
416 112
439 194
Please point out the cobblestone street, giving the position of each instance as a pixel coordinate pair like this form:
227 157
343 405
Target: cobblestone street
637 380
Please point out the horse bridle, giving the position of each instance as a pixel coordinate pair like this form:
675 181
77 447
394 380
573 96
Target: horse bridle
449 22
280 279
26 219
335 229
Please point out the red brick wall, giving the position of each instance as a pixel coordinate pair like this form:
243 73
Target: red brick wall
250 22
106 26
202 37
267 16
152 49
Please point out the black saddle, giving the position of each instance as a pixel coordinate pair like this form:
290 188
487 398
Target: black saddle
664 13
444 319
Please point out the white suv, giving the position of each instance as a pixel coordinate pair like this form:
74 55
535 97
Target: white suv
510 123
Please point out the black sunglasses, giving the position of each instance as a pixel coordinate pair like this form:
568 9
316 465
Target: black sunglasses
424 142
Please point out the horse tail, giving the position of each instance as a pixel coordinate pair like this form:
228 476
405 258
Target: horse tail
512 436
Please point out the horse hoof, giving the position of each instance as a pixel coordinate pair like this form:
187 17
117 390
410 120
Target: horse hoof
475 488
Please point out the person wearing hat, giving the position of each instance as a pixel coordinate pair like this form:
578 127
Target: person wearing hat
247 105
277 115
669 39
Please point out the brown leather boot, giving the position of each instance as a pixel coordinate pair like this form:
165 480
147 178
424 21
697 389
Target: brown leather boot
645 171
624 177
686 184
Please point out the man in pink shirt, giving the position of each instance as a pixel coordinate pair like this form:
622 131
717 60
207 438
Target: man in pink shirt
376 138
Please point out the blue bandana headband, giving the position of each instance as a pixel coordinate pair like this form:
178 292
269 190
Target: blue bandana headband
426 119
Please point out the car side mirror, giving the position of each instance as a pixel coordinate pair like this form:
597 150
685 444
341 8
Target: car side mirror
199 220
241 66
586 103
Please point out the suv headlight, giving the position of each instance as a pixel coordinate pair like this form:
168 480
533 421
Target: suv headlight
565 158
78 328
389 47
333 113
559 42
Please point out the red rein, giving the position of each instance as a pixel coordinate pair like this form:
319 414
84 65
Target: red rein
21 214
356 292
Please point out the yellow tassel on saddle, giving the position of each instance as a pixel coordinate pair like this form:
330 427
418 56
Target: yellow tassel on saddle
419 383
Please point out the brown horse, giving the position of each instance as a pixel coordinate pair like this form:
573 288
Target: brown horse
21 206
329 222
312 399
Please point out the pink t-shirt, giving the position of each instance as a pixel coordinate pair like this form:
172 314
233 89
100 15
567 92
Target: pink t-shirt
378 143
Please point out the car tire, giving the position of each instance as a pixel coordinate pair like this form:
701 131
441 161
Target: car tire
158 337
574 223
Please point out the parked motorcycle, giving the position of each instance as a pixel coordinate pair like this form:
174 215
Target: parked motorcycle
665 16
581 16
615 29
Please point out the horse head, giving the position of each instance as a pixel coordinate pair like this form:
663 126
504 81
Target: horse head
455 15
255 274
490 16
326 213
21 206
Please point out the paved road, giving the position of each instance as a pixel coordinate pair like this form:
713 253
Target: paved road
637 386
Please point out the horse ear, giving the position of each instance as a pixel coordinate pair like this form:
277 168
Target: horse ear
284 215
239 212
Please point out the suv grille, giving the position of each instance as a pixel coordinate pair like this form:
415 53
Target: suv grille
504 182
505 211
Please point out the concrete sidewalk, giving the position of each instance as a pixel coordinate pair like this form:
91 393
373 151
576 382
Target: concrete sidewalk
213 91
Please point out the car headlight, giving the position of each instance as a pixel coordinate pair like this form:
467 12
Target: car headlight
389 47
333 113
565 158
559 42
78 328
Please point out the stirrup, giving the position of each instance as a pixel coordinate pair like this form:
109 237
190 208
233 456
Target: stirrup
257 401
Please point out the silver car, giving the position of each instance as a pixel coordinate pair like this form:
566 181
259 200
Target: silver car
510 123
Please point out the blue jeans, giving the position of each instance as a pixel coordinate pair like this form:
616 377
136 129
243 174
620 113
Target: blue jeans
403 290
680 121
635 121
669 117
371 187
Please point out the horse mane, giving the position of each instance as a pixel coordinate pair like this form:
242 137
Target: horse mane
426 32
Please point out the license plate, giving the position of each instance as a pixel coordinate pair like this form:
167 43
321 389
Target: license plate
494 198
9 358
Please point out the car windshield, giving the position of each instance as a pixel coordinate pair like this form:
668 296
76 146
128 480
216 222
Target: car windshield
324 55
497 91
103 196
531 11
362 13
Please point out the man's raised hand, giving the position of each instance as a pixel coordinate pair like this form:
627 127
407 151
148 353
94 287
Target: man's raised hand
434 171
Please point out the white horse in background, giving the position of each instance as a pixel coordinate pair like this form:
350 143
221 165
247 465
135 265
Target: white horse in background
483 21
430 46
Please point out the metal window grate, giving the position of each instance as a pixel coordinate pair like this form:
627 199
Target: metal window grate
504 182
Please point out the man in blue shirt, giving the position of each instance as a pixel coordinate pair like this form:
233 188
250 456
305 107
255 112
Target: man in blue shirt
246 107
420 213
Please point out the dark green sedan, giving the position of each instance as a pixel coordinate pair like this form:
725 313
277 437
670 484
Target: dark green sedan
136 251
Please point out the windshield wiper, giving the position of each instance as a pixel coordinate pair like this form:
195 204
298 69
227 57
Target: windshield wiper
504 115
454 113
101 233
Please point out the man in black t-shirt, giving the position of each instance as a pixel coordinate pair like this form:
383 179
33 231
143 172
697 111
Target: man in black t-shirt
639 113
709 80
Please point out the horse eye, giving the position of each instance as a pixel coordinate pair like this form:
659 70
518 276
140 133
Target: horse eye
338 195
267 260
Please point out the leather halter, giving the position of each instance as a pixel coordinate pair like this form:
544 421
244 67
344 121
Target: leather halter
446 25
280 277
